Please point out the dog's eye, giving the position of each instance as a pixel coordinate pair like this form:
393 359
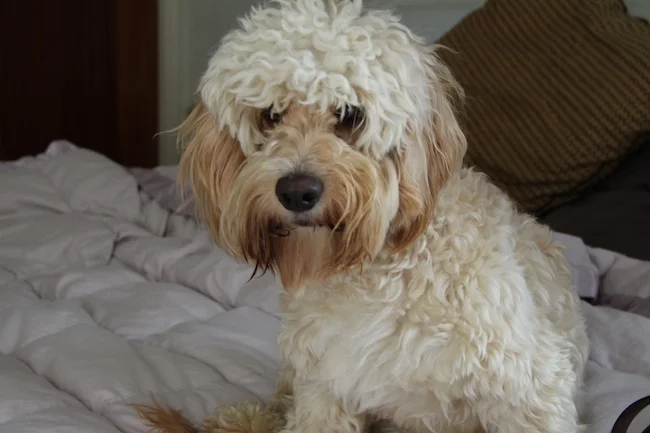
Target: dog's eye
349 117
271 117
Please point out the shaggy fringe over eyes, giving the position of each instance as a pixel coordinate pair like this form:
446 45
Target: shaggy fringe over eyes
321 53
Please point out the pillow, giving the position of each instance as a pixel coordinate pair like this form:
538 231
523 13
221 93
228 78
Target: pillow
556 90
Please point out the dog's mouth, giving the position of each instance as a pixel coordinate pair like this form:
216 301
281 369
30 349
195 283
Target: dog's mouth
276 228
316 224
302 221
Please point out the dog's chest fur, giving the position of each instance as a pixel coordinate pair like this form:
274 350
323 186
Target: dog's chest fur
412 335
373 353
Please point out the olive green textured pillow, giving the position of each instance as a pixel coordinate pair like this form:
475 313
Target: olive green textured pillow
556 92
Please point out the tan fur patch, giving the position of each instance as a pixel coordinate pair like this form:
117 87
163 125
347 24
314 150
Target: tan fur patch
164 419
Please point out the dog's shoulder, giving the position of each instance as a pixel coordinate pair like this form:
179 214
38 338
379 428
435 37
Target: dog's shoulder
473 220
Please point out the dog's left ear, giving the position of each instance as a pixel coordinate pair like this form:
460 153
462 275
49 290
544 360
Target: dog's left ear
210 160
435 150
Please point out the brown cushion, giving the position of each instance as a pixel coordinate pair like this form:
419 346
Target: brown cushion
556 91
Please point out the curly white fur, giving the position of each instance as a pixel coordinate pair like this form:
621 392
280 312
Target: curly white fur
475 325
417 293
326 57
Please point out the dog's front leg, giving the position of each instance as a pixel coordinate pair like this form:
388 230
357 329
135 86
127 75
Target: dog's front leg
315 410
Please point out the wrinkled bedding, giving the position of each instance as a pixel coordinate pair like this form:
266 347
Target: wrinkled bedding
110 294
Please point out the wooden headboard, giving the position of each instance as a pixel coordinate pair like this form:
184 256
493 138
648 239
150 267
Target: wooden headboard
85 71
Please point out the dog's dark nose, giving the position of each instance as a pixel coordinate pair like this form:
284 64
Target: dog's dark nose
299 193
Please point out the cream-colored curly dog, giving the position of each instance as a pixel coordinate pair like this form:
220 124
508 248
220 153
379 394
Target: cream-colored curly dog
326 149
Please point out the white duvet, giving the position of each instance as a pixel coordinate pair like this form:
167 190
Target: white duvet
106 299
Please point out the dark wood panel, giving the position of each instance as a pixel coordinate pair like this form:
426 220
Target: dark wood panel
80 70
137 78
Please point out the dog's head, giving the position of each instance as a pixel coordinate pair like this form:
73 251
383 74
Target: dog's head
324 135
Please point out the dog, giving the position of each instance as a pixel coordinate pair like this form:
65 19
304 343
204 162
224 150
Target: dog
326 149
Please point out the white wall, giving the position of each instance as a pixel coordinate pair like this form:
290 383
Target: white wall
188 32
173 88
639 8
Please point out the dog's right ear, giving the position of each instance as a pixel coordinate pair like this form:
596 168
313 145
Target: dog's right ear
210 160
435 152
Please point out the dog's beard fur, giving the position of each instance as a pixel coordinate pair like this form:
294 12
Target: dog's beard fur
368 204
346 228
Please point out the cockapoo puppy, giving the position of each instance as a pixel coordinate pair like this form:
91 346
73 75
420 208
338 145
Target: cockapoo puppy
326 149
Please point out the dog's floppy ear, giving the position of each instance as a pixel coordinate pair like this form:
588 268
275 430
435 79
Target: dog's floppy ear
434 152
210 160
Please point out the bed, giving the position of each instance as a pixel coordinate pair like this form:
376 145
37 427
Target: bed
107 299
111 294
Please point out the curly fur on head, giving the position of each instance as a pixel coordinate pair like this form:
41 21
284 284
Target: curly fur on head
326 148
326 89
